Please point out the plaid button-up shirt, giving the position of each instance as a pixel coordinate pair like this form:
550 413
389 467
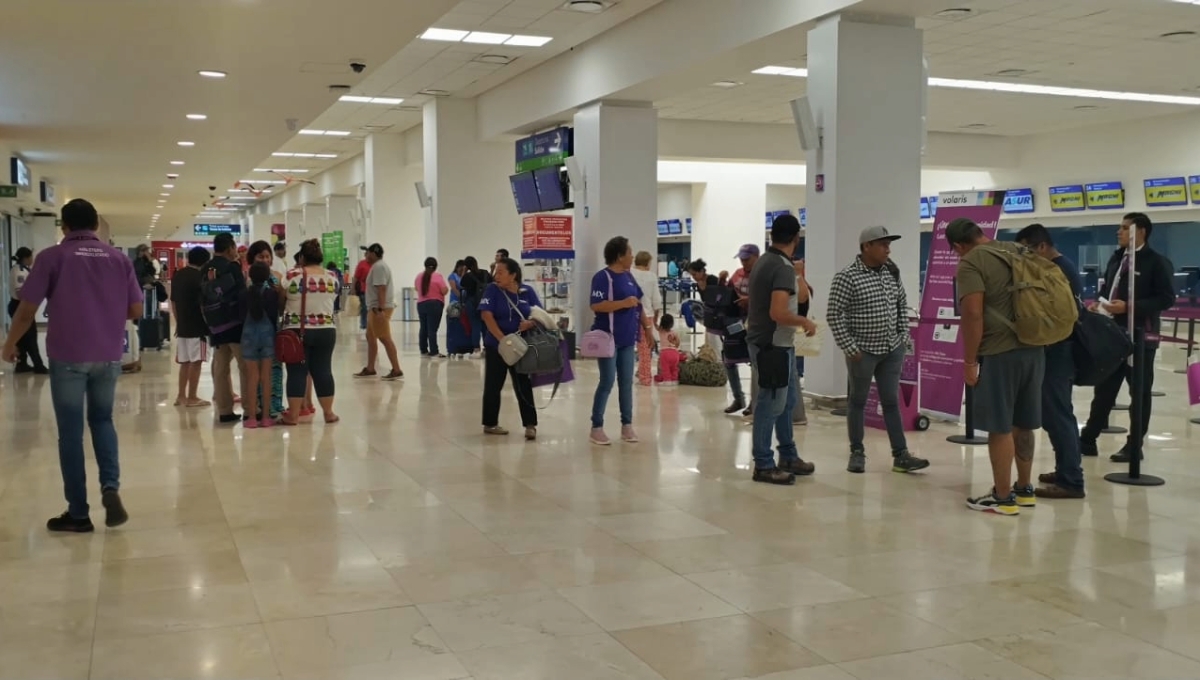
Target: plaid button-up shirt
867 310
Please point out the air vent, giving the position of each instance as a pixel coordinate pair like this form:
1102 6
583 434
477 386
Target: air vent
974 126
494 59
1085 107
374 129
1178 36
586 6
435 93
1012 73
954 13
338 88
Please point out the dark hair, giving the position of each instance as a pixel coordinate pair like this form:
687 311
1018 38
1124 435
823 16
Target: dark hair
430 268
260 273
963 231
1035 235
511 266
256 248
698 266
471 262
198 256
80 215
615 249
1140 221
666 322
459 264
223 243
503 253
785 229
21 254
280 245
310 253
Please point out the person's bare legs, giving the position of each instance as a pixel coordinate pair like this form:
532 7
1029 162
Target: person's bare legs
308 396
389 346
185 377
1000 450
1023 445
327 409
194 370
372 347
264 376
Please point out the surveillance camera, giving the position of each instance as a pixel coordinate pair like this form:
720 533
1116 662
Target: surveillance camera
212 188
358 66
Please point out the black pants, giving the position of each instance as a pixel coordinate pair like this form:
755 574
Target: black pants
27 345
429 313
495 372
318 362
1106 396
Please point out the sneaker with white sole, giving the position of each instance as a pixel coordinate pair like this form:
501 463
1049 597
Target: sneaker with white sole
990 503
598 437
628 435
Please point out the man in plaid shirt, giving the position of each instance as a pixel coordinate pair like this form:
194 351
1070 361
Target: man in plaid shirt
868 314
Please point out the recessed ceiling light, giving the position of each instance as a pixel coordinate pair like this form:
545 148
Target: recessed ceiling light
168 186
324 155
197 116
1188 2
485 38
358 99
281 154
585 6
954 13
727 84
213 74
444 35
305 155
164 194
171 175
176 162
285 170
527 40
186 143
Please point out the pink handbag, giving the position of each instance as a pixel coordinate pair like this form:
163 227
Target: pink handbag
1193 376
596 344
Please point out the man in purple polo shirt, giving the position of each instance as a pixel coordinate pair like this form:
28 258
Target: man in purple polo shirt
91 291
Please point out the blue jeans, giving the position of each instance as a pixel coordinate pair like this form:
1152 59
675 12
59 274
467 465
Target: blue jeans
773 414
618 369
72 387
429 314
885 370
1058 415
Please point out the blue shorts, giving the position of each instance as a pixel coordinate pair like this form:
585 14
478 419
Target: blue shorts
258 340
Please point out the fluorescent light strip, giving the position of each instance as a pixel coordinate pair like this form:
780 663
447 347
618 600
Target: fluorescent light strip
263 181
444 35
357 99
296 170
485 38
527 41
197 116
326 133
1022 88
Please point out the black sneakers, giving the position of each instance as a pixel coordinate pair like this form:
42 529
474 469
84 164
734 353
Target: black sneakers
66 523
230 418
737 405
115 514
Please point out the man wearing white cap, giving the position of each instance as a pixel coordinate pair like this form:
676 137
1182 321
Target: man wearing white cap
868 314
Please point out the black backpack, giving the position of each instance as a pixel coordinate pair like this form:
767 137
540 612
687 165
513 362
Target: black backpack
220 298
718 302
1099 347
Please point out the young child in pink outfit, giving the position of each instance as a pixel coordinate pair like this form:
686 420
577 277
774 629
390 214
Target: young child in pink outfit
669 354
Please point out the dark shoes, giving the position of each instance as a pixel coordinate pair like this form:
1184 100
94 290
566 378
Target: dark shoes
1056 491
737 405
115 514
68 524
1123 456
905 462
1087 447
230 419
858 462
798 467
775 476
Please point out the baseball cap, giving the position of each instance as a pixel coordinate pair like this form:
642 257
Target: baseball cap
876 234
374 248
748 251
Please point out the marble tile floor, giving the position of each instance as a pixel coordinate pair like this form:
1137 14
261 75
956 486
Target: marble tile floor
403 544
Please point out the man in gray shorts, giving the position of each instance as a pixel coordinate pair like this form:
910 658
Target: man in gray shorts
1006 375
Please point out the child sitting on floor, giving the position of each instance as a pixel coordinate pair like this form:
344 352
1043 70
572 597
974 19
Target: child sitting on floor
669 354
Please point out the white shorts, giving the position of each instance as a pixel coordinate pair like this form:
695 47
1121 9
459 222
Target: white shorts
190 350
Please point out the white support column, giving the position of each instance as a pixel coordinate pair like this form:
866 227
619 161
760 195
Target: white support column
865 86
617 147
473 211
395 223
293 220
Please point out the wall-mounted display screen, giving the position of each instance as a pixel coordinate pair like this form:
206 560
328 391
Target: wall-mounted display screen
550 189
20 173
1067 198
525 193
214 229
674 227
1105 195
924 208
662 227
1166 191
1017 201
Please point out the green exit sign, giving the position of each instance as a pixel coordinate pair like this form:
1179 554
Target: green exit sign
8 191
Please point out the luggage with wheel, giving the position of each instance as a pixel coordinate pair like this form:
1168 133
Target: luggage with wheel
458 335
150 326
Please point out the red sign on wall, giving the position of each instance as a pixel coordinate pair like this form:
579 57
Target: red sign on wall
548 233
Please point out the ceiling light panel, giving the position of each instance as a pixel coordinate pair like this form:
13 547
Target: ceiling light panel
326 133
197 116
485 38
176 162
213 74
527 41
186 143
444 35
357 99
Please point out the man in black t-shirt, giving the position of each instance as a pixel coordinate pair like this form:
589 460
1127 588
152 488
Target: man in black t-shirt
190 347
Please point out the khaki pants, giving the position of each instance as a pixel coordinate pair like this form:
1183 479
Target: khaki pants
222 365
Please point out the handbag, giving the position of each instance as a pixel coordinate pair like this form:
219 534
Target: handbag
598 344
289 343
775 368
513 347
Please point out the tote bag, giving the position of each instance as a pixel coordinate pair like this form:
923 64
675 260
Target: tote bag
289 344
597 344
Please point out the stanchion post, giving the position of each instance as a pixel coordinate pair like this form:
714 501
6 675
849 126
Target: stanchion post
968 438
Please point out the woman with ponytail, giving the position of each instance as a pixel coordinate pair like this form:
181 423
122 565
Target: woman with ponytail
431 303
28 344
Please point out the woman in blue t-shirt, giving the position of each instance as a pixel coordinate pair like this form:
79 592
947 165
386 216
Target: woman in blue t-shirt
504 308
616 300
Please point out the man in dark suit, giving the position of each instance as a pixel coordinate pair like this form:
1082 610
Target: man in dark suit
1155 293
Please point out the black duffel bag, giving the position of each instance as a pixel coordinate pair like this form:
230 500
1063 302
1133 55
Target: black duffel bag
1099 347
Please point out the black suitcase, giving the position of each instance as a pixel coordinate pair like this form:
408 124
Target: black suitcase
150 326
458 338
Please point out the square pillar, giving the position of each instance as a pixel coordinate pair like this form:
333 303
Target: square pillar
866 86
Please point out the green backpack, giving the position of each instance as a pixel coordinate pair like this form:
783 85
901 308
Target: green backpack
1044 307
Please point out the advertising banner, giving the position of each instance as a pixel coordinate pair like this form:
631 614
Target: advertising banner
547 236
939 348
1166 191
334 247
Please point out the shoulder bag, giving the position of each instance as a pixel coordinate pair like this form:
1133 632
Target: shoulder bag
598 344
289 343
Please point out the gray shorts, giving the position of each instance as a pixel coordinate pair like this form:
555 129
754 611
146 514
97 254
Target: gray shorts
1009 393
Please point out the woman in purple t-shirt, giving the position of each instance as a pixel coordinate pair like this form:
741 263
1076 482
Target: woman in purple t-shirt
616 300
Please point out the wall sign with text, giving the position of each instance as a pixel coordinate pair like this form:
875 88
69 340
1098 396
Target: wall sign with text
1105 196
1018 201
544 149
1067 198
214 229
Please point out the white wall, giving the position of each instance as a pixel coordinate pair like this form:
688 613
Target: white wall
786 197
674 201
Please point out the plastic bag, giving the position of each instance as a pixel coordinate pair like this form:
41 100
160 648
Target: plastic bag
810 345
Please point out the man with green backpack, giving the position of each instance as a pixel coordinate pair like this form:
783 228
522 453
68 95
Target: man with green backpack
1012 304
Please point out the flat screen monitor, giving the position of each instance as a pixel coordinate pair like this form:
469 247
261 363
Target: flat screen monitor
550 188
662 228
674 227
525 193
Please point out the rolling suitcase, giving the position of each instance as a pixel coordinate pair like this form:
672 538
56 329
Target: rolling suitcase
458 336
150 326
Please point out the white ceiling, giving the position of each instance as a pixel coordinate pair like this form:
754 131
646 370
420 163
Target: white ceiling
1099 44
